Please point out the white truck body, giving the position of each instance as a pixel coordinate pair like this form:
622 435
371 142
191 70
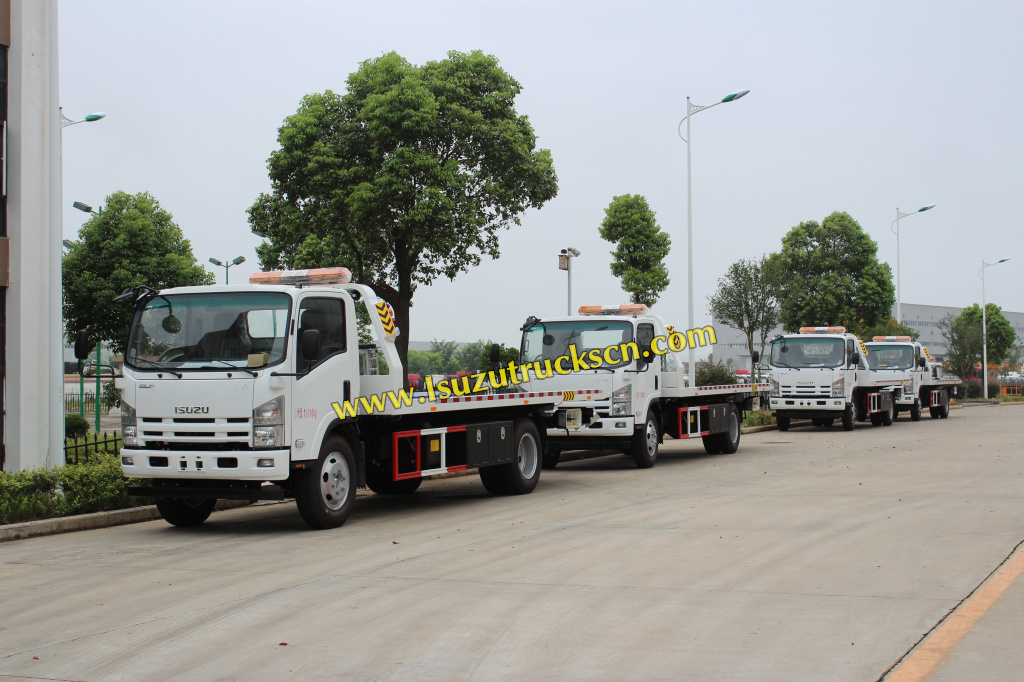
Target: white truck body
822 374
221 400
923 384
627 404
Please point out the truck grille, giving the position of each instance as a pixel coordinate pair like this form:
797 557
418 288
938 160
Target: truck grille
805 391
195 433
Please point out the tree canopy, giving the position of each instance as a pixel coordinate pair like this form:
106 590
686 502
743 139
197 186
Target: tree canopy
640 247
406 177
746 299
890 327
963 345
829 274
132 241
1001 336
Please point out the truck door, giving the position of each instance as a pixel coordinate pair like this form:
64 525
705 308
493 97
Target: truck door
648 380
332 376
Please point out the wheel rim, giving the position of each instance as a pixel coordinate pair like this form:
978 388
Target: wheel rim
528 456
734 427
334 481
652 438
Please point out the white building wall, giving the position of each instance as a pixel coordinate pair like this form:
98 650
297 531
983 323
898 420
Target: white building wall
34 419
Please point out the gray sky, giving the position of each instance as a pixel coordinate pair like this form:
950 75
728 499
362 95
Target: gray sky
854 106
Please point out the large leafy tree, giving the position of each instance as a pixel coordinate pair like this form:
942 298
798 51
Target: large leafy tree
890 327
1001 336
640 247
405 178
963 344
746 299
132 241
828 274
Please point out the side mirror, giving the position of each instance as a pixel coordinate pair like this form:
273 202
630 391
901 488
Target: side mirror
922 362
82 344
646 356
309 344
755 357
495 353
854 358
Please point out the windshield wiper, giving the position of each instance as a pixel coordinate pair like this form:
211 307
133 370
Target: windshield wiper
224 362
156 365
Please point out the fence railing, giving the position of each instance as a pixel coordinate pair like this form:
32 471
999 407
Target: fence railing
71 403
77 451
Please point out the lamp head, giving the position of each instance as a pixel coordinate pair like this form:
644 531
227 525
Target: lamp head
82 207
735 96
95 116
215 261
926 208
240 259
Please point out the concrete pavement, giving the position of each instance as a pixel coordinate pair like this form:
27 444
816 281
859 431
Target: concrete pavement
807 555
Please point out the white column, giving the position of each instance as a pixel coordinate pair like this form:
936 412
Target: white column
34 427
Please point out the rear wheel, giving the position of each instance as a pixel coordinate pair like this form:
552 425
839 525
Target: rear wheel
783 421
644 447
184 512
915 411
325 492
519 476
941 411
382 483
729 440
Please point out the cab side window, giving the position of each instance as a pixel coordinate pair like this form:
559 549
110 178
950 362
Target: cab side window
644 335
850 348
327 315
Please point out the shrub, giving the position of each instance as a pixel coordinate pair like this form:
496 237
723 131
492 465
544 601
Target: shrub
111 396
759 418
76 427
715 374
97 485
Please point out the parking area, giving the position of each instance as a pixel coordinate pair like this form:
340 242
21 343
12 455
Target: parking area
807 555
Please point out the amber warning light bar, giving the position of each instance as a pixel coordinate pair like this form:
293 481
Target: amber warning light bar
890 338
822 330
321 276
628 309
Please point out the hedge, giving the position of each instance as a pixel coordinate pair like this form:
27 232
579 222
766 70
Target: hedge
96 485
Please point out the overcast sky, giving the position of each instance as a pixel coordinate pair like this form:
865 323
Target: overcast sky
854 106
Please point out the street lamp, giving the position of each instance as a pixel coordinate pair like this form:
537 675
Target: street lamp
65 121
565 263
692 109
68 244
901 214
984 328
240 259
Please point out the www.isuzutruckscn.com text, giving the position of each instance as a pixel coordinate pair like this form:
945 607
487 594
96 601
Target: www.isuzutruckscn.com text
515 373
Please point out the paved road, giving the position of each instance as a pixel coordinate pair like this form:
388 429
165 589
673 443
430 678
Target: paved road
807 555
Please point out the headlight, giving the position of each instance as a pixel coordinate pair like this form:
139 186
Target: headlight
839 387
268 424
129 430
775 389
622 401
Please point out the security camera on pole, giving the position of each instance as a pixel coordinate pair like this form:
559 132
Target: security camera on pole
565 263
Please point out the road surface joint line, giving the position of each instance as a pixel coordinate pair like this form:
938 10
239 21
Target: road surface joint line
924 657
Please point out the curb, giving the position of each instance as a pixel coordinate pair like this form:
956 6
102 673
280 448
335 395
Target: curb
104 519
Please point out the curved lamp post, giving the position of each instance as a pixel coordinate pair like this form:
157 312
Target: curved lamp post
984 328
896 231
86 208
226 266
692 109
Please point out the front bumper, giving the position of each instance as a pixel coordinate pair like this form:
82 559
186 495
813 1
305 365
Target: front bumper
202 465
804 407
599 427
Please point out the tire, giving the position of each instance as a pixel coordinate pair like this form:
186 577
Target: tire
729 440
711 445
915 411
519 476
889 416
849 417
644 447
324 493
818 422
183 512
828 422
942 411
782 421
876 418
551 458
381 483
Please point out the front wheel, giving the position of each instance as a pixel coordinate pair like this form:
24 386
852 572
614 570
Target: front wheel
889 415
184 512
915 411
849 417
644 447
551 458
325 492
783 422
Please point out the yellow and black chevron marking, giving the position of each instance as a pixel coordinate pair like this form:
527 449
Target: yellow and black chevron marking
568 395
386 318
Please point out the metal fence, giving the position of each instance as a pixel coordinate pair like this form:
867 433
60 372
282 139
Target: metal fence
76 451
71 403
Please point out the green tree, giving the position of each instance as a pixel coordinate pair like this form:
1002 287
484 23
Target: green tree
746 300
640 247
506 354
829 274
1011 363
425 362
890 327
448 352
133 241
1001 336
405 178
963 345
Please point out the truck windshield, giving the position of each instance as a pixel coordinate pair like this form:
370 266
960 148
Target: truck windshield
550 340
209 331
890 357
808 352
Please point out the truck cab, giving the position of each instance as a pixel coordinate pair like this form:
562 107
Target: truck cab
900 358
